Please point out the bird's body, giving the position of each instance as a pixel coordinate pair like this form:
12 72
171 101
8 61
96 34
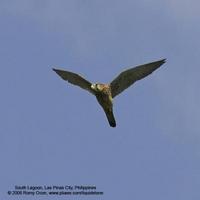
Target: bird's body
106 92
103 94
104 97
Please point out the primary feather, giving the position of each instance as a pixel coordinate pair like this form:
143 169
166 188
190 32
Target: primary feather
130 76
75 79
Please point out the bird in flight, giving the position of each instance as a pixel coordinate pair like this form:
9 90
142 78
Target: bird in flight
106 92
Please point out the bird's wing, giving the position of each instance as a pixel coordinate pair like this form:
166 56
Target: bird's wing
74 79
128 77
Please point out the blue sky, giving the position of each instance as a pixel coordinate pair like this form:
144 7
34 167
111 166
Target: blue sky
53 133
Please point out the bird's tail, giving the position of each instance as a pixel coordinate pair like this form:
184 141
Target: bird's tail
111 118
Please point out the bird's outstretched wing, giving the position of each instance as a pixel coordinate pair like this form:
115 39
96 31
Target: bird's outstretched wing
75 79
128 77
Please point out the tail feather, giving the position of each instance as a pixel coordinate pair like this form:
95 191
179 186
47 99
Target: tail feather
111 118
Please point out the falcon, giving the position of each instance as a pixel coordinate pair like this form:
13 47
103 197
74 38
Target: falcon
106 92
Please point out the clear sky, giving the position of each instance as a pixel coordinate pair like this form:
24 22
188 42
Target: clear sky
53 133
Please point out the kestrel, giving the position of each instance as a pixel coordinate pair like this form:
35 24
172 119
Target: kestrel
106 92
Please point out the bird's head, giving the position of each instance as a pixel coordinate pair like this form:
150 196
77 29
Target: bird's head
97 87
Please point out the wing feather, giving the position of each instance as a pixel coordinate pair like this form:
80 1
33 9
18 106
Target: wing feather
75 79
128 77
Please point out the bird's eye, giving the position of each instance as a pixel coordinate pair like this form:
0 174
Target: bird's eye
98 87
